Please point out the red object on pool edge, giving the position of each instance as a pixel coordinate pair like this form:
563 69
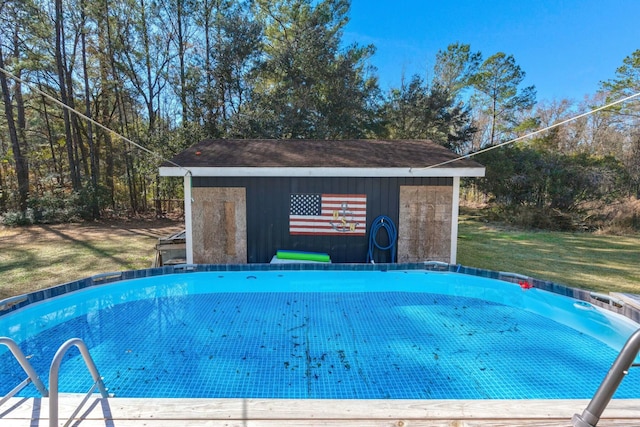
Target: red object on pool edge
198 153
525 285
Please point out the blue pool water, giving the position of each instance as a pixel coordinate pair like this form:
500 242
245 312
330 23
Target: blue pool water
329 334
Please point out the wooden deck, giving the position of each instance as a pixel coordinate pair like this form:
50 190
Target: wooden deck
125 412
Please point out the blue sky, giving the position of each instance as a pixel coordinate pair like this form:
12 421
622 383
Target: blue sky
565 47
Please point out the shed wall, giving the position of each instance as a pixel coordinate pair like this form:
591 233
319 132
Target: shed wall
268 204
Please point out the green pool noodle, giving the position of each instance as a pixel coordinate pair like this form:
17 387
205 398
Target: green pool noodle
303 256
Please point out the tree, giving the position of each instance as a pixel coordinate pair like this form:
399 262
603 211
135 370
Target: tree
560 137
632 164
625 83
108 95
21 165
219 79
455 67
544 182
143 55
65 93
417 111
307 87
178 18
16 21
93 155
626 116
499 97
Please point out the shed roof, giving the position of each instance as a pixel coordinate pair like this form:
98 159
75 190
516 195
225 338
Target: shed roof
303 157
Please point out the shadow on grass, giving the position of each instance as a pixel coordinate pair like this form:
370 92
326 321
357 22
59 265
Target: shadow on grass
93 249
24 258
154 230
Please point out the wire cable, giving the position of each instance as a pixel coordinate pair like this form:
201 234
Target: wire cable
511 141
466 156
100 125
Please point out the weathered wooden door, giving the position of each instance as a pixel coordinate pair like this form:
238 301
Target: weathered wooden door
219 221
424 223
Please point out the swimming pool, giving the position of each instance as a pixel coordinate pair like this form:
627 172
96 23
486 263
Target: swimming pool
405 334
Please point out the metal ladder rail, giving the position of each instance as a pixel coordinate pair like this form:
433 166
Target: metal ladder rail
591 415
32 376
53 379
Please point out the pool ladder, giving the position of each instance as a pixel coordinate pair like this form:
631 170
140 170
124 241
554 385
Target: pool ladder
54 371
32 377
591 415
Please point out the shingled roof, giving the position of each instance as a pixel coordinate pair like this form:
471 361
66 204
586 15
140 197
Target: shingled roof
301 157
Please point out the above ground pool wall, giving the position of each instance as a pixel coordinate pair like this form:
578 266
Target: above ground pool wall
14 303
246 219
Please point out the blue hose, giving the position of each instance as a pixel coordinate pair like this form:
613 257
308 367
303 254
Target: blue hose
382 222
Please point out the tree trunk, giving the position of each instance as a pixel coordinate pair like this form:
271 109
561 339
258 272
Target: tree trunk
57 168
181 55
106 85
210 122
95 208
76 127
3 190
131 181
73 166
17 93
22 167
147 60
494 115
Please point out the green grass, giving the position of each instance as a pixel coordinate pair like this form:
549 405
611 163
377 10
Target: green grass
603 263
36 257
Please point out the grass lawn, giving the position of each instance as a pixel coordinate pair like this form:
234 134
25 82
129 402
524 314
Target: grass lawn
603 263
41 256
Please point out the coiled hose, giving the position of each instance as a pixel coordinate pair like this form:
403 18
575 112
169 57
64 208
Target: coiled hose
380 222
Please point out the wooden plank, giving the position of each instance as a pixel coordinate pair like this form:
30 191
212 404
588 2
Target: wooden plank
272 412
171 247
324 423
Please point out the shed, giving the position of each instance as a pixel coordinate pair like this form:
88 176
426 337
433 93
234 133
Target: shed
245 199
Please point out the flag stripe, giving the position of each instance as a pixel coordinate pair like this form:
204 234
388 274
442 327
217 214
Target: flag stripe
303 218
328 214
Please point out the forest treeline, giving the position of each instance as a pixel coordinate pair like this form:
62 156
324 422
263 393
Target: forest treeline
160 75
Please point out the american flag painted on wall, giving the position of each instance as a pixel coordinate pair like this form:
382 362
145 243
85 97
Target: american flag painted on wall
328 214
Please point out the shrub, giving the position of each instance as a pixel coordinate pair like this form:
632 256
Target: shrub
17 218
546 181
620 217
55 207
533 217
